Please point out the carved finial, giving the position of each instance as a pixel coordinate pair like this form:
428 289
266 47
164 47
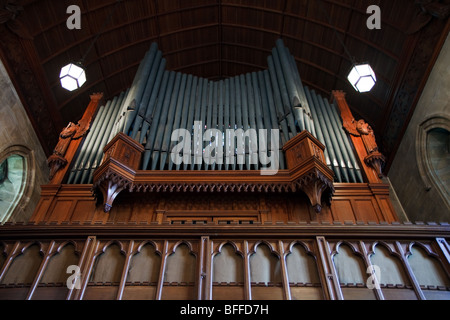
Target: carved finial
96 96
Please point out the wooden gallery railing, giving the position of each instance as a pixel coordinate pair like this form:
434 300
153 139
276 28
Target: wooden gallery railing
225 261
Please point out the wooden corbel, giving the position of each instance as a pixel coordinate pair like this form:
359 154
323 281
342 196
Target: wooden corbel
121 160
306 163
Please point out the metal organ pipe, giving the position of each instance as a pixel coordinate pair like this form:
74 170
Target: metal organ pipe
140 88
91 152
345 140
319 132
326 135
88 143
106 138
162 97
161 101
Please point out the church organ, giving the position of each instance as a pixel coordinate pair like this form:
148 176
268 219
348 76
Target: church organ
290 205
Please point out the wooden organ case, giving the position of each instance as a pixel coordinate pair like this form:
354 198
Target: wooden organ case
272 192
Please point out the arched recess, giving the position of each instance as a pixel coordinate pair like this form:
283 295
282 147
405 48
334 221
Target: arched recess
109 263
433 154
145 264
301 265
303 273
25 265
228 265
265 264
349 264
65 256
351 270
17 181
427 267
181 264
392 271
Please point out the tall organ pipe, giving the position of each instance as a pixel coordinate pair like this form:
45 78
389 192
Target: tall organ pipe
91 152
274 110
88 143
173 121
269 111
162 123
345 139
220 117
258 113
333 142
294 97
137 95
338 140
279 84
326 135
319 132
162 96
183 115
190 123
131 90
152 103
226 120
137 117
209 115
240 155
96 156
253 125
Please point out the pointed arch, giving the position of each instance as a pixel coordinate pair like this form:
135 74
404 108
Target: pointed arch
265 263
109 262
389 261
181 263
64 256
145 263
349 263
228 264
301 264
25 264
427 266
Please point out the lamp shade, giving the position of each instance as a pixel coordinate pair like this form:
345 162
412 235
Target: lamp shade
362 77
72 76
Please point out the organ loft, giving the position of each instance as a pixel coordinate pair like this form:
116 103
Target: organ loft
249 187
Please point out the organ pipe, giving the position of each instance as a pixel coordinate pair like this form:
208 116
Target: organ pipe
160 101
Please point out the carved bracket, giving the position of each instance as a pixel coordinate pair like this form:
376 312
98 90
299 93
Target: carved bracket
376 161
56 163
306 162
122 156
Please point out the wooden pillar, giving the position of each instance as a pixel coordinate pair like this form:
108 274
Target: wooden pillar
48 253
332 287
125 270
370 162
69 141
85 264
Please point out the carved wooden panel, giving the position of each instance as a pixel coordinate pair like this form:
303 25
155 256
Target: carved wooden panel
187 268
352 202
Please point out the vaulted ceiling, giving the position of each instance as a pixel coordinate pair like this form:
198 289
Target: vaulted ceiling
217 39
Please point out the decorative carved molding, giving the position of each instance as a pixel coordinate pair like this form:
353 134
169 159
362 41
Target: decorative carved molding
308 173
376 161
55 163
73 132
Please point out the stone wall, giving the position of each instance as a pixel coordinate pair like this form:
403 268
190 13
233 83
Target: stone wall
421 199
17 136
